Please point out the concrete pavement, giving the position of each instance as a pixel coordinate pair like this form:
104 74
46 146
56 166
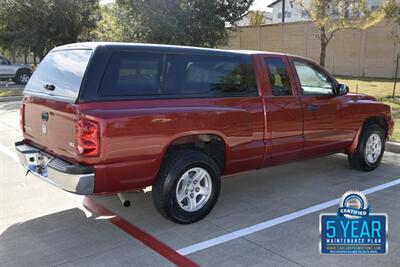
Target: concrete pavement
43 226
10 85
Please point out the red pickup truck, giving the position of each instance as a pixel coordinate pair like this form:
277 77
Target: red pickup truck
113 117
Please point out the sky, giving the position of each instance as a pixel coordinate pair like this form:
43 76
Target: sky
257 5
261 5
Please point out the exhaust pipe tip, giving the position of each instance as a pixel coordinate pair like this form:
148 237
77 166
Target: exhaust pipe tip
125 202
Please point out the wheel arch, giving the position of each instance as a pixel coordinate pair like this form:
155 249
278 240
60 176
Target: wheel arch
379 120
209 143
23 69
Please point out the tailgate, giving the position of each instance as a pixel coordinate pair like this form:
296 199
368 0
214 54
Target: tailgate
50 125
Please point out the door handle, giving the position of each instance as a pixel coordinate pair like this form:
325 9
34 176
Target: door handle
49 87
313 107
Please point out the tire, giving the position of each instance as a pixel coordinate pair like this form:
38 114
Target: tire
178 169
22 76
360 160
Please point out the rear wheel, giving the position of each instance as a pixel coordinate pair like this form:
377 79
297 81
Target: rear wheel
370 149
187 186
22 76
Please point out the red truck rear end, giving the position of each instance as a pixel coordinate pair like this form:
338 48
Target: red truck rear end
52 123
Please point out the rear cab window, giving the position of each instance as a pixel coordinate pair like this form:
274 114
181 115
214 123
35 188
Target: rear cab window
278 76
62 69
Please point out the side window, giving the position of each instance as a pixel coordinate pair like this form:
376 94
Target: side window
313 81
132 74
278 77
2 61
205 75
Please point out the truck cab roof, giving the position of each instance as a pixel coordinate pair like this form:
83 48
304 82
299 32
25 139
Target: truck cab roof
164 47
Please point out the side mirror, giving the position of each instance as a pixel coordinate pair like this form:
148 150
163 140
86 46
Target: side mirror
341 89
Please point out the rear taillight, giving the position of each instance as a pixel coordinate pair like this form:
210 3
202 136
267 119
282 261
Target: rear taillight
87 138
22 117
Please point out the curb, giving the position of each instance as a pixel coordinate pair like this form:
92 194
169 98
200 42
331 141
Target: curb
393 147
10 98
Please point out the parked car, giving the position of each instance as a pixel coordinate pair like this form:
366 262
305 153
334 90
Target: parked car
108 118
20 74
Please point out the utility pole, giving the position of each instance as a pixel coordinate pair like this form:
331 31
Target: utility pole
283 11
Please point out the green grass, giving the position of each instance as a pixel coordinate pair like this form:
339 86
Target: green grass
382 89
10 92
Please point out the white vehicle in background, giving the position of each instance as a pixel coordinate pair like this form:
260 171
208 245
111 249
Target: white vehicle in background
20 74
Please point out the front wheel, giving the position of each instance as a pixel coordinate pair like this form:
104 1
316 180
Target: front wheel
187 186
370 149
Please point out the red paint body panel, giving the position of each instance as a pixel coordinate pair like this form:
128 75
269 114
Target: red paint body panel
60 127
257 131
136 134
284 118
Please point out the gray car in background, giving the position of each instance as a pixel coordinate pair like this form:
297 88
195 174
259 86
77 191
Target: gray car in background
20 74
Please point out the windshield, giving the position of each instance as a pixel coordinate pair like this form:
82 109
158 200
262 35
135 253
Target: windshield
62 71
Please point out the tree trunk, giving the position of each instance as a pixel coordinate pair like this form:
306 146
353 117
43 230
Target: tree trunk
34 59
41 56
14 56
324 44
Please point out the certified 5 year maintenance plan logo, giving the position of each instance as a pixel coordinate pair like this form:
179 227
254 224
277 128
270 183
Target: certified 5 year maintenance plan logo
353 229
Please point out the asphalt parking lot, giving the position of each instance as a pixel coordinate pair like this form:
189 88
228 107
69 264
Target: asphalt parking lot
266 217
10 85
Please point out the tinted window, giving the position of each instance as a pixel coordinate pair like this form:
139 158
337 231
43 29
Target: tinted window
3 61
312 80
132 74
278 77
205 75
63 69
175 75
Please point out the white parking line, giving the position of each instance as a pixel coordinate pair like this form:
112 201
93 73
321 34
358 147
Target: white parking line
9 152
267 224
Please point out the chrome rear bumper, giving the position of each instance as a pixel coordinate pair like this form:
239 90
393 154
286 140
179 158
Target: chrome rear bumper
73 178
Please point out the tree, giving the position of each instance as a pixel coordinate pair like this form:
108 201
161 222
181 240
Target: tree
392 11
256 18
181 22
331 16
39 25
73 20
108 28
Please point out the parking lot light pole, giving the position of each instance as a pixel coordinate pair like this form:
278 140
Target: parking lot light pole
283 11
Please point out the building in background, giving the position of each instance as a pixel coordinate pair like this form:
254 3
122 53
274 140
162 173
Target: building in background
245 21
294 13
